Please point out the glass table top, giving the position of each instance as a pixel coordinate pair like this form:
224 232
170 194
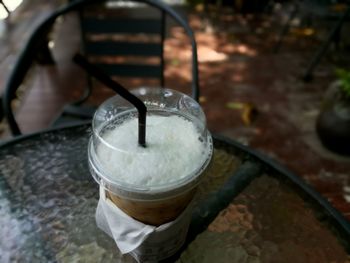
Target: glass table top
48 201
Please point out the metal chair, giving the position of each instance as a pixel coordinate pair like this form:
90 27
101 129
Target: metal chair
5 7
321 9
30 52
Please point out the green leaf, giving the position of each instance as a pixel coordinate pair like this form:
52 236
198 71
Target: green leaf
344 78
234 105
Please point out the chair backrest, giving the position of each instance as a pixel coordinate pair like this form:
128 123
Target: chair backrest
125 39
29 53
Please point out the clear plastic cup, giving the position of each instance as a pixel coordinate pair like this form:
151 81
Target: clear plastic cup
160 201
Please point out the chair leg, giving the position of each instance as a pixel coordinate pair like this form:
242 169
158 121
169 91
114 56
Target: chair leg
285 28
337 38
162 60
333 34
1 109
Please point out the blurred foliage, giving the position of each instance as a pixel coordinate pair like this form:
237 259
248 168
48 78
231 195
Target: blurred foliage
241 6
344 79
195 3
307 31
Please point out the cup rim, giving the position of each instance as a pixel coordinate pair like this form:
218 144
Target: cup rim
150 109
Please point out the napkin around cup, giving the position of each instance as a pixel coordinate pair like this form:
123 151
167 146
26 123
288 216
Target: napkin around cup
137 238
127 232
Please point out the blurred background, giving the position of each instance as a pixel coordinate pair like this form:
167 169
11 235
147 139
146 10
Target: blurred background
274 75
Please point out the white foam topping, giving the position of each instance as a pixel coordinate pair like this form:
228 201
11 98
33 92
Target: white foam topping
173 151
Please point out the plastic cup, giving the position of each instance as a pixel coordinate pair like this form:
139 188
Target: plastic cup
158 202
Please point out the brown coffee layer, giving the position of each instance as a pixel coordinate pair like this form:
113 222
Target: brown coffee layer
153 212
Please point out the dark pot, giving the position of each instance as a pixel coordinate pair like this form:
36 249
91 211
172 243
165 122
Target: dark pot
333 122
334 131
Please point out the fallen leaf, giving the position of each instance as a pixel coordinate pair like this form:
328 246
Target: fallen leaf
249 113
235 105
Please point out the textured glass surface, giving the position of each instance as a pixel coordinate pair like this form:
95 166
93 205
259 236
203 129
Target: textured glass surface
48 200
221 168
267 222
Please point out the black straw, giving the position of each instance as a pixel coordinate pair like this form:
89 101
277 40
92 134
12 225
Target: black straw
106 80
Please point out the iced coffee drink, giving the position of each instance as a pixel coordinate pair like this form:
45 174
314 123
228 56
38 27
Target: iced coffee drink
152 184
